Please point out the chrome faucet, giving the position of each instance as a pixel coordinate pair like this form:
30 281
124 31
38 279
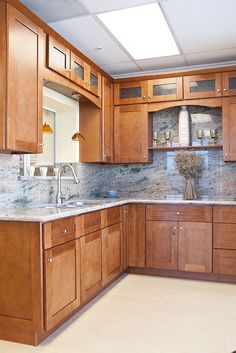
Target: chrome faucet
60 198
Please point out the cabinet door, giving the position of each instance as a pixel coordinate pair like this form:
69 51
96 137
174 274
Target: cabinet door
224 262
135 229
24 85
161 245
111 252
78 68
130 92
229 83
92 80
229 129
167 89
195 247
58 57
202 86
107 121
131 134
62 282
91 265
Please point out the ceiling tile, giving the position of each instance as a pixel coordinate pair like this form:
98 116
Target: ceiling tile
211 57
86 34
202 25
121 68
161 63
95 6
54 10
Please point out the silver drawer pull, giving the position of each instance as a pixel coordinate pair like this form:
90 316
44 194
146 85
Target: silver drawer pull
181 228
64 231
50 259
178 213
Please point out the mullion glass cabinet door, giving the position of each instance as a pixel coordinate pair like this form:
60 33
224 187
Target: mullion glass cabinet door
167 89
202 86
130 93
77 70
229 83
59 57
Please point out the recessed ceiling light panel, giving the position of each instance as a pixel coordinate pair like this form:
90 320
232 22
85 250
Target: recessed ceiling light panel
142 31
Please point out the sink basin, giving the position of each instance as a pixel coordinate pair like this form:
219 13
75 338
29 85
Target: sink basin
74 204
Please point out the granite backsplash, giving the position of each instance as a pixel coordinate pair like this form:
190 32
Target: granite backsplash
135 180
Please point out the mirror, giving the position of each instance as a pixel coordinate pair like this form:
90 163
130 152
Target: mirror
61 114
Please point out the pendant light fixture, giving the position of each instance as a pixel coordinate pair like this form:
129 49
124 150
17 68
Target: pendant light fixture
78 137
47 129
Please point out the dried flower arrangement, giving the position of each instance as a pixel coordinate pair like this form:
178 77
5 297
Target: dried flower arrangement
190 166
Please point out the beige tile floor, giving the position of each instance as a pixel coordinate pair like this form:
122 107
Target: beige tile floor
144 314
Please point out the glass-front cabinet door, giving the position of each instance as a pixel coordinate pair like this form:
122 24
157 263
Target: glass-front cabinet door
92 80
77 70
202 86
130 92
229 83
59 57
166 89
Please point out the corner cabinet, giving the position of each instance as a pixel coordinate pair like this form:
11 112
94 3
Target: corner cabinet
21 63
131 134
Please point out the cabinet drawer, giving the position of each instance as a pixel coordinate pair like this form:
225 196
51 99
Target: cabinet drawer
224 236
88 223
224 214
181 213
110 216
58 232
224 262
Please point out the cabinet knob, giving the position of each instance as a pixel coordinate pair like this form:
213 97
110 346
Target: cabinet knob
149 97
181 228
178 213
50 259
144 97
226 154
174 228
64 231
225 89
41 144
144 156
68 70
218 90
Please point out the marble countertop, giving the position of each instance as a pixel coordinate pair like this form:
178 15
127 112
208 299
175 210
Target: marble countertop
43 214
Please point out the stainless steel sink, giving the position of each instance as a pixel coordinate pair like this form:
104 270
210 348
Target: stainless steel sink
74 204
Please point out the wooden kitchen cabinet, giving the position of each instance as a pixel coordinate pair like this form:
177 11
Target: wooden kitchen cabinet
68 64
179 237
162 245
111 252
166 89
229 129
131 134
202 86
21 63
91 265
195 247
62 282
229 83
96 125
135 229
131 92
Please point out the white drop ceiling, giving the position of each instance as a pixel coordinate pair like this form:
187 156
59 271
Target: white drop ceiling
205 32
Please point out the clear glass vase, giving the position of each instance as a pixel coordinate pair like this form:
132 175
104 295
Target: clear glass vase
189 192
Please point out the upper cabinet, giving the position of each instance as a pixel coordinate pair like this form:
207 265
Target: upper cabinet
131 134
229 83
21 84
130 92
59 57
202 86
71 66
229 129
166 89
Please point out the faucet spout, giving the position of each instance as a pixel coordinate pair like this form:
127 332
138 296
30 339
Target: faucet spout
60 196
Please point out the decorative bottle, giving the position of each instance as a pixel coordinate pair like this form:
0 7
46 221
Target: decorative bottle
184 126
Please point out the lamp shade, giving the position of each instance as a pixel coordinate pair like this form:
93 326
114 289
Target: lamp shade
78 137
47 129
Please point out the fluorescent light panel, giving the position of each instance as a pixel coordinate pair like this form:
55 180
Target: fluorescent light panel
142 31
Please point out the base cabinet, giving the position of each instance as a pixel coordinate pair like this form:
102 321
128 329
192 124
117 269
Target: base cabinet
62 282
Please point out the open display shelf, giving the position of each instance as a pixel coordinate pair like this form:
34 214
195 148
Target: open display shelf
174 148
